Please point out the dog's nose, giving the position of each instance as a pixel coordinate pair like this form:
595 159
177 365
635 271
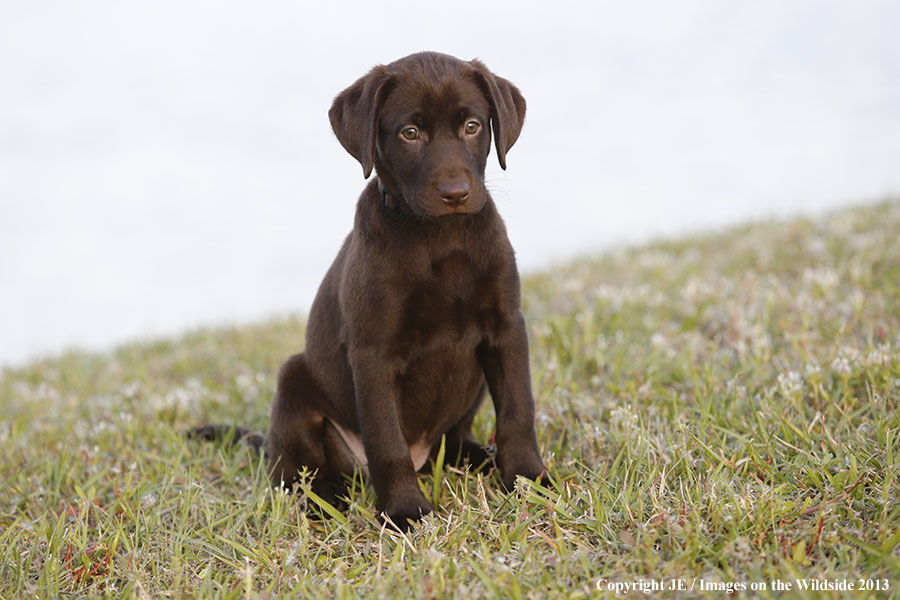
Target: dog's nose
454 194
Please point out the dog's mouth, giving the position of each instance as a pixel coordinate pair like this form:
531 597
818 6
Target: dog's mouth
455 211
433 204
438 206
436 211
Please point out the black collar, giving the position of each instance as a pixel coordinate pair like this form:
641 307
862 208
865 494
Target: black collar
386 197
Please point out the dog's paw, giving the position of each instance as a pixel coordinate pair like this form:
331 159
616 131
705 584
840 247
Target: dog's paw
403 515
332 492
539 475
479 458
546 480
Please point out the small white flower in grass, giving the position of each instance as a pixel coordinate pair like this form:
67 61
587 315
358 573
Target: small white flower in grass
853 355
131 389
879 357
590 431
840 365
624 418
248 386
760 341
573 284
864 241
822 278
857 299
604 292
695 289
177 397
790 383
540 329
805 303
738 391
816 246
653 259
522 487
291 556
727 512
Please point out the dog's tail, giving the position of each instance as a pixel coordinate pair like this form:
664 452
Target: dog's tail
230 434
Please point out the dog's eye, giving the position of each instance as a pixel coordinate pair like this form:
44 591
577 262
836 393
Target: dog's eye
472 127
410 133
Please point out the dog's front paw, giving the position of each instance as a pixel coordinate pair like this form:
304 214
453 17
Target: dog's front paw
403 512
533 472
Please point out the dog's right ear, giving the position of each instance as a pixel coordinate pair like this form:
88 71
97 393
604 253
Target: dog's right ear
354 116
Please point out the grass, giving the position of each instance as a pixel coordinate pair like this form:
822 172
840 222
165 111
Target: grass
720 410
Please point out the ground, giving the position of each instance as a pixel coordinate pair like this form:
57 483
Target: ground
720 412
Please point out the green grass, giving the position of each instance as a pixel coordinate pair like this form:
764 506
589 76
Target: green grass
722 408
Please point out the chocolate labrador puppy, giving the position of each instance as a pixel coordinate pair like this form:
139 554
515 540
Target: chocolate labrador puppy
419 315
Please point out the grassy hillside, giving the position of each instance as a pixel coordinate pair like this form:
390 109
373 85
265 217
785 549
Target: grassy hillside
720 410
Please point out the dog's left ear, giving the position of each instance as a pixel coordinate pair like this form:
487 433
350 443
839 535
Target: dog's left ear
354 116
507 108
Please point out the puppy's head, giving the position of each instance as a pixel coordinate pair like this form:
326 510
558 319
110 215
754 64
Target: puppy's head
424 123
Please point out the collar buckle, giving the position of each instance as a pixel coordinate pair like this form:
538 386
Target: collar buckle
386 198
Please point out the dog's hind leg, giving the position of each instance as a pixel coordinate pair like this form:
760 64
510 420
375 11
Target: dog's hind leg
301 436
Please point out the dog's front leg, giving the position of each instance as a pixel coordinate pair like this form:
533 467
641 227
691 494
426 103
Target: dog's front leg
505 364
390 465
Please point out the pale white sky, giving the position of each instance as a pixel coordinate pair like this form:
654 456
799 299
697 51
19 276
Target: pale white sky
170 164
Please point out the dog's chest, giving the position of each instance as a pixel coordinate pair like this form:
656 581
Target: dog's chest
454 303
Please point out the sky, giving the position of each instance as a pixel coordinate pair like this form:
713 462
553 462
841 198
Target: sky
170 165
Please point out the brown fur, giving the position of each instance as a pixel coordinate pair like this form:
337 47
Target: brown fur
420 313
